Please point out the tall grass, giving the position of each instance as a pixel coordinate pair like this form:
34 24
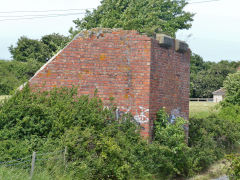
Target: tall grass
202 109
18 173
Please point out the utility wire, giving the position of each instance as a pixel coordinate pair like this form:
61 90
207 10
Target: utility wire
25 17
200 2
54 10
41 16
64 10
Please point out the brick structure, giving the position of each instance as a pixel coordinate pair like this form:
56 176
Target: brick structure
143 74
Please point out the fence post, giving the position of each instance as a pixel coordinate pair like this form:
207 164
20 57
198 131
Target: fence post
65 157
33 164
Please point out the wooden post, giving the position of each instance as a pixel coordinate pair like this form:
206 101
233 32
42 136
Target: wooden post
65 157
33 164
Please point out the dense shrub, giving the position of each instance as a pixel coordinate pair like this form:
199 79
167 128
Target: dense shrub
101 147
170 134
210 138
14 73
232 88
201 140
234 168
111 153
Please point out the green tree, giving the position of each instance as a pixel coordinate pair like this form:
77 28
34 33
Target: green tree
207 77
55 41
198 64
27 48
39 50
232 88
145 16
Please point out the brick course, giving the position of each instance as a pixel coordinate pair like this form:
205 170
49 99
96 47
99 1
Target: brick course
132 68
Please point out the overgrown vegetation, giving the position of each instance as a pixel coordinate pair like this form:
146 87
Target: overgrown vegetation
14 73
221 130
230 109
28 56
207 77
101 147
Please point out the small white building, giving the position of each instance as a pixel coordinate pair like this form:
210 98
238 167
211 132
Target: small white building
218 95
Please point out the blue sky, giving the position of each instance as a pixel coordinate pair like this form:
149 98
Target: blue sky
214 34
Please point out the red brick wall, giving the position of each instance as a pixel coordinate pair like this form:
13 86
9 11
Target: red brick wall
169 87
119 64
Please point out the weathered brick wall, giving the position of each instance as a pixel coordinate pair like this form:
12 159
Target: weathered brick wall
169 86
132 68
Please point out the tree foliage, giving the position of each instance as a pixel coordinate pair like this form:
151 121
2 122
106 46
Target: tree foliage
30 48
14 73
207 77
232 88
55 41
145 16
40 50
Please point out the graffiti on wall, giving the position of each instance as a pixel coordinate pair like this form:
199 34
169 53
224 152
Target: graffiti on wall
140 116
174 114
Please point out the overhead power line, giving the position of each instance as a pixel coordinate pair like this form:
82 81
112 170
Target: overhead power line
53 10
41 16
200 2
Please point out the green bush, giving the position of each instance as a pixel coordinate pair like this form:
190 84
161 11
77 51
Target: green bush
232 88
234 168
14 73
210 138
107 154
203 146
101 147
172 137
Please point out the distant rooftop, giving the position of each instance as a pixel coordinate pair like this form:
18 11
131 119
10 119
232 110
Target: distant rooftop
219 92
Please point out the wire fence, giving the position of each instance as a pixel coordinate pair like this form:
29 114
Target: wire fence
29 163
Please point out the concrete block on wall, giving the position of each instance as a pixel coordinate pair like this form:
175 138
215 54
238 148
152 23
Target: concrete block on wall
164 40
181 46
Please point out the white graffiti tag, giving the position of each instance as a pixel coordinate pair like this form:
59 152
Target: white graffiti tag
141 117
